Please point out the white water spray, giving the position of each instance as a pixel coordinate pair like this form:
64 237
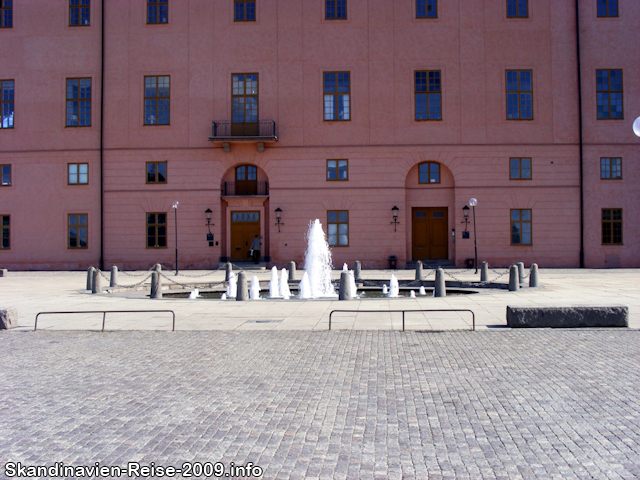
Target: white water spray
254 289
317 262
422 291
394 288
284 284
412 294
304 289
232 289
274 285
385 290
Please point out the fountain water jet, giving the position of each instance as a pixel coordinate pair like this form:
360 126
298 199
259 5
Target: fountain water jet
254 289
274 285
394 288
232 289
317 262
422 291
304 288
284 284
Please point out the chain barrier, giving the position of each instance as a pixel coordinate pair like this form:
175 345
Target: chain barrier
125 286
135 274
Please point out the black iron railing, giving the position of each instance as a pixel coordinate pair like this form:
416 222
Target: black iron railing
247 188
228 130
104 315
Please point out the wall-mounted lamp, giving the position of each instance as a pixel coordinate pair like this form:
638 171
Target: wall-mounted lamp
465 213
208 213
395 222
278 217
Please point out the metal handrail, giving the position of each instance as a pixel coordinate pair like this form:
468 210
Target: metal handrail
403 312
104 315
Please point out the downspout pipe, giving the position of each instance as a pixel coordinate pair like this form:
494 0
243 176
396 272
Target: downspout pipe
102 139
581 139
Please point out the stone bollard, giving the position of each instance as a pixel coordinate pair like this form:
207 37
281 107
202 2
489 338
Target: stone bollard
228 270
242 294
357 271
440 287
113 281
514 284
484 271
96 286
156 286
292 271
4 272
345 286
90 278
533 275
521 273
157 268
418 270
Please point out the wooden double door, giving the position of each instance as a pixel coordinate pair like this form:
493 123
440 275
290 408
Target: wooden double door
244 227
429 233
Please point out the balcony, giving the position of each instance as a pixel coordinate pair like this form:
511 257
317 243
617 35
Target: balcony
227 132
246 188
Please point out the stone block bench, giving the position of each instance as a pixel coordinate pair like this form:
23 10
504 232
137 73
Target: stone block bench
567 317
8 318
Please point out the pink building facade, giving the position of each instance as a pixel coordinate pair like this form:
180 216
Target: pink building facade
346 111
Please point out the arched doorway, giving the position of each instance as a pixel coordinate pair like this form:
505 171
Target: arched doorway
430 198
245 206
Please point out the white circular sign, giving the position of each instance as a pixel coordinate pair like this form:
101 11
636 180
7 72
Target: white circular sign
636 127
473 202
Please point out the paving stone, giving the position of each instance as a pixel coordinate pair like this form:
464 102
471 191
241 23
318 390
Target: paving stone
370 404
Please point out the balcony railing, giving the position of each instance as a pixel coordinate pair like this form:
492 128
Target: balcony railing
246 188
226 130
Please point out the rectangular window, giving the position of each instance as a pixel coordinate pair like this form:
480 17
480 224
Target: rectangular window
244 10
79 13
6 13
335 9
607 8
156 172
428 95
429 172
611 168
517 9
4 225
519 95
5 171
336 96
244 98
609 94
337 170
612 226
520 168
78 173
520 227
157 11
156 230
6 102
338 228
78 102
77 228
426 8
156 100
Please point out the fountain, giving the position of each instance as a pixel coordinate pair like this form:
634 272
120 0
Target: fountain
317 262
195 294
274 285
223 297
254 289
284 284
422 291
412 294
385 290
232 289
304 288
352 281
394 288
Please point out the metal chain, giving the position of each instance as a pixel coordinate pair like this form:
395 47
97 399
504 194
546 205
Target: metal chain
134 274
124 286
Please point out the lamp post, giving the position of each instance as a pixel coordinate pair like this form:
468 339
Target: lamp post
395 222
636 127
278 217
175 207
473 202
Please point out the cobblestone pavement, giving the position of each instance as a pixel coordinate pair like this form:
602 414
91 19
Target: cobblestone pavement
349 404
